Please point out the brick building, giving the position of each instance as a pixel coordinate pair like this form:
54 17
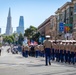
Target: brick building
74 19
65 16
48 27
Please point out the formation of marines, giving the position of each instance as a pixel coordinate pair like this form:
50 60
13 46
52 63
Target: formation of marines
38 50
55 51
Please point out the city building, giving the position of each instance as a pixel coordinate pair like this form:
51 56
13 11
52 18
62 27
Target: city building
9 28
65 20
74 20
20 28
48 27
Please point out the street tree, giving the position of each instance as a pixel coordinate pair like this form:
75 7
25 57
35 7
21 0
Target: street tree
20 39
29 32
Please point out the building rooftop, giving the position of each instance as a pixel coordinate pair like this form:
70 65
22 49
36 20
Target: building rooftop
45 21
63 6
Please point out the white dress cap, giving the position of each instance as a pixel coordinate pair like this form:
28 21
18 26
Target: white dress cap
47 36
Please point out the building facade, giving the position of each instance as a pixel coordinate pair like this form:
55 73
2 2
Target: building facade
9 28
74 20
65 18
65 21
20 28
48 27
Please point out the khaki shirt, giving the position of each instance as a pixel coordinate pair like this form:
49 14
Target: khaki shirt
70 47
36 47
47 44
53 45
58 46
66 47
73 48
23 49
26 48
41 47
61 47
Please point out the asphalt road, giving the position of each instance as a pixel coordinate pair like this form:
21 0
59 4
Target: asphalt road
15 64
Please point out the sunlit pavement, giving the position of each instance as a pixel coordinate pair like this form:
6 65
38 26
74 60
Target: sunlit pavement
15 64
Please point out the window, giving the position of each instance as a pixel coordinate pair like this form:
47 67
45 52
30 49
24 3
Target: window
74 8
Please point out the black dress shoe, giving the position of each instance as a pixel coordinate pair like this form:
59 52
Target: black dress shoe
46 65
49 63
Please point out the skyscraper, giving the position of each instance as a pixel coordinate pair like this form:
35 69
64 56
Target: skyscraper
9 28
0 30
20 28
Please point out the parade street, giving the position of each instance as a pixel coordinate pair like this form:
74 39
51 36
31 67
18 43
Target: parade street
15 64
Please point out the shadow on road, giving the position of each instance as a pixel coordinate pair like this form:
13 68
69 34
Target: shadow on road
20 57
32 65
64 64
11 64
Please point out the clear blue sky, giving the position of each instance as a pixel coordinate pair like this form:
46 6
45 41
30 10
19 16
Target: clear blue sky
34 11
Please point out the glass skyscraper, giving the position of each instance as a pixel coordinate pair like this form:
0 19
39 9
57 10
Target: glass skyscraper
20 28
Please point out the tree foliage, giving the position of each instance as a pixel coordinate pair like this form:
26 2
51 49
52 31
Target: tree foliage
29 32
36 37
20 39
9 39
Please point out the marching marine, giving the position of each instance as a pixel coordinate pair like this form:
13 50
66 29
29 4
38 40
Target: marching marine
47 46
26 50
41 48
37 51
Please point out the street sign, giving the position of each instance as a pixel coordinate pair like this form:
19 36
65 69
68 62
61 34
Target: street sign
68 27
61 27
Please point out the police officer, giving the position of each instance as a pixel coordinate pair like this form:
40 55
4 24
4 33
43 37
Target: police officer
47 46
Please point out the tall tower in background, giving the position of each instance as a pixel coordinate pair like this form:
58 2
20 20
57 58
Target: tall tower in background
0 30
20 28
9 28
